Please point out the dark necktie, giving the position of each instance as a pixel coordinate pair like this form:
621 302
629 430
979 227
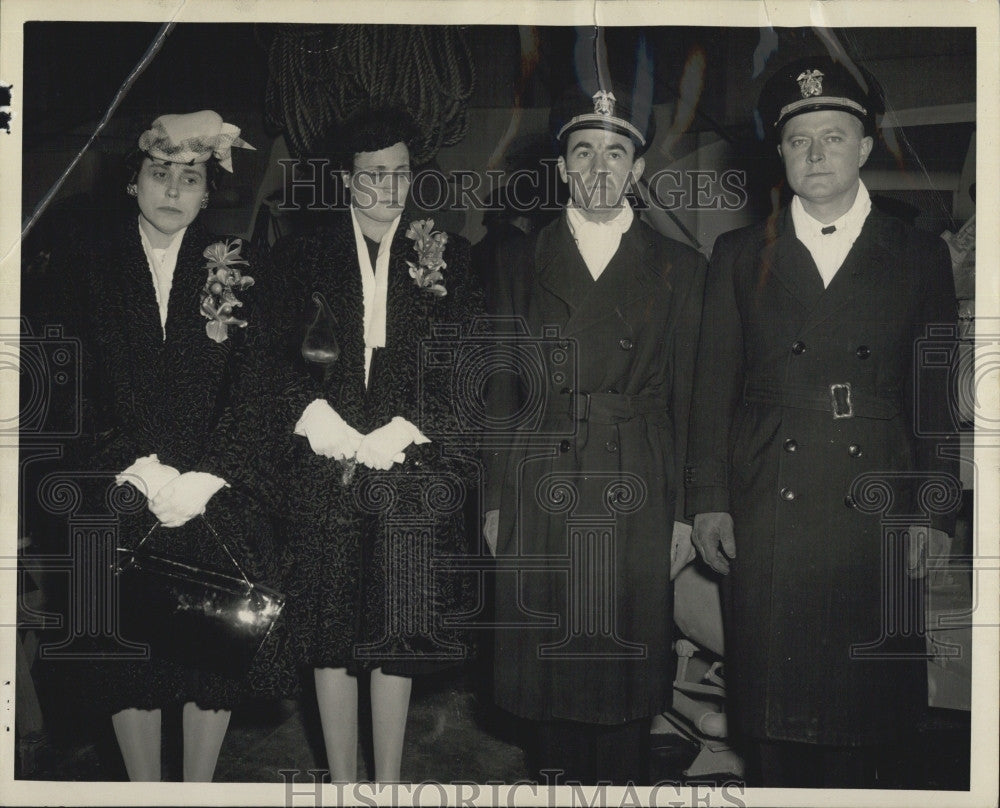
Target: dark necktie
827 230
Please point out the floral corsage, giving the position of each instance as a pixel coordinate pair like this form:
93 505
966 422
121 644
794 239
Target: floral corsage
429 247
218 298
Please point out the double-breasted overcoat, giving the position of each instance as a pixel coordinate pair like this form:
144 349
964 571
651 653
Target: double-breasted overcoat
595 408
816 419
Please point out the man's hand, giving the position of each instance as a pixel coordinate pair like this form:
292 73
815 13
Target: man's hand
682 551
490 529
713 536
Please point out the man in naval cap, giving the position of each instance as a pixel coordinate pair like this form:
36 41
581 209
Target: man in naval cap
812 478
583 503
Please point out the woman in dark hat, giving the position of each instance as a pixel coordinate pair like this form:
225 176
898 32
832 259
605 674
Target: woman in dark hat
353 426
168 304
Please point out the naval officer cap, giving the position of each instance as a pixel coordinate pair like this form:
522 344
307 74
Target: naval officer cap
609 106
819 83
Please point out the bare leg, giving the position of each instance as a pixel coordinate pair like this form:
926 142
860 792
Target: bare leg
138 734
337 695
390 704
204 731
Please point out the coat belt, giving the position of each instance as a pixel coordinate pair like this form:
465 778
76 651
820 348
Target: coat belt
610 408
840 399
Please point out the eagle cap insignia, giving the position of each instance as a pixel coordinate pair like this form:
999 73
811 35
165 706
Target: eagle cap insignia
604 102
810 83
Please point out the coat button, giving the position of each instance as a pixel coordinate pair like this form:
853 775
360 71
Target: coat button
791 445
854 450
798 347
558 378
564 446
564 345
625 344
787 494
611 446
863 352
849 501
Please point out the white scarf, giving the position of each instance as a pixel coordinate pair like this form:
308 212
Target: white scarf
598 241
374 287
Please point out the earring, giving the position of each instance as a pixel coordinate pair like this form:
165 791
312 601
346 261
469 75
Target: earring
131 189
204 202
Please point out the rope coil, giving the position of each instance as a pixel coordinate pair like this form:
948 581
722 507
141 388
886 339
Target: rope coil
320 75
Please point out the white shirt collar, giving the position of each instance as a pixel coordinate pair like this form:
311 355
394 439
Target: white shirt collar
851 222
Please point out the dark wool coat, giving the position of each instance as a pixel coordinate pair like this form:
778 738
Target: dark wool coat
810 494
588 501
374 581
168 397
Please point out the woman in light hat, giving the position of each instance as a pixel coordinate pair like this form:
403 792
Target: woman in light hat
162 341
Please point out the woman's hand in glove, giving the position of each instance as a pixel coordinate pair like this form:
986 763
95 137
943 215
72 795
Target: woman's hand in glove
148 475
329 435
384 446
185 497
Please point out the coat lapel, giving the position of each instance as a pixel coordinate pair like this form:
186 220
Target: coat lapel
401 293
139 308
860 273
793 265
561 269
631 275
190 273
338 278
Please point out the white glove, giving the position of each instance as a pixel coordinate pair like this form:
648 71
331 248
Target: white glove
147 474
384 446
185 497
682 550
329 434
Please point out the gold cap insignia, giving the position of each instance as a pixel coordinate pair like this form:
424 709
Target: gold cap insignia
810 83
604 102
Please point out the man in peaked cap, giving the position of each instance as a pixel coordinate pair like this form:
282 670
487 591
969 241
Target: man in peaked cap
582 501
808 474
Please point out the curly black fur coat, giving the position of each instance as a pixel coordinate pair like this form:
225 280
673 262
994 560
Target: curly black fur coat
373 583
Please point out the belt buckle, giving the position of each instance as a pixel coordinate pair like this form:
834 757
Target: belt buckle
840 400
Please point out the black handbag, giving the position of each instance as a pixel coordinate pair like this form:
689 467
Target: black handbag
201 617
